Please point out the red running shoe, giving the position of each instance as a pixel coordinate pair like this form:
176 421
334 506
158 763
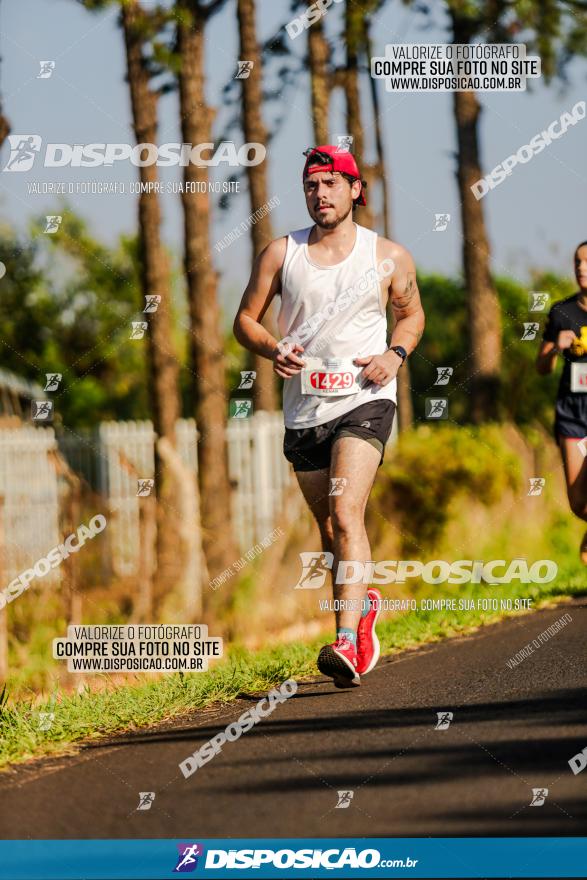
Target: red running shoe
339 662
367 641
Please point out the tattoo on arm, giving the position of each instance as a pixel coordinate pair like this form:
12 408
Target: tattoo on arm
402 300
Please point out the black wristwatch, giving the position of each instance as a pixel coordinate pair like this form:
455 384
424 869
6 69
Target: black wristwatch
400 350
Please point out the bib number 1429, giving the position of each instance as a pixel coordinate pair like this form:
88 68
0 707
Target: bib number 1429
333 382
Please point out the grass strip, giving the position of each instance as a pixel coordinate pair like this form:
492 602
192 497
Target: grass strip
116 709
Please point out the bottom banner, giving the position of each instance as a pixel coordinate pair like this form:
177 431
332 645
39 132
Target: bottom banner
382 857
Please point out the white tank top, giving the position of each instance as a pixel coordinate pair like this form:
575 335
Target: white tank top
335 313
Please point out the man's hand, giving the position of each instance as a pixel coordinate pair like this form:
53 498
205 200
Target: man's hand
380 368
286 362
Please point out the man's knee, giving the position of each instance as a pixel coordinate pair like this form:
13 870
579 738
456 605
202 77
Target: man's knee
347 518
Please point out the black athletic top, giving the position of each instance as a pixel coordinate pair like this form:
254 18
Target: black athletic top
567 315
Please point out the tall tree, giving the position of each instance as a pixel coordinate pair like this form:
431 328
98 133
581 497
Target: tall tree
483 307
208 364
320 79
264 390
556 29
4 125
405 404
358 46
355 39
163 363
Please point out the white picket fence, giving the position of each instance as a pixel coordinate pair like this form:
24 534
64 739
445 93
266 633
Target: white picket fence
124 454
257 469
29 499
259 472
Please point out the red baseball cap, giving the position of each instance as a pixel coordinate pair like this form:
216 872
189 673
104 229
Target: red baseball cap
340 160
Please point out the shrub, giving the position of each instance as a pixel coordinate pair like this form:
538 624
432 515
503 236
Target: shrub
430 467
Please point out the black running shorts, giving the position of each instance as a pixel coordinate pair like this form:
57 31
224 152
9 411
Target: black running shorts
571 416
309 449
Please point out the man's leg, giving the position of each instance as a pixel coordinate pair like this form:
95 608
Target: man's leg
356 461
576 475
315 486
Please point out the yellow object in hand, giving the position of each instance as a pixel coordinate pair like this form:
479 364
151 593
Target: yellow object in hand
579 346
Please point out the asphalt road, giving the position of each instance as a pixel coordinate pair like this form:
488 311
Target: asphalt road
512 730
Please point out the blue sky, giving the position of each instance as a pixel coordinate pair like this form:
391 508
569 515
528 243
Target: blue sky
535 217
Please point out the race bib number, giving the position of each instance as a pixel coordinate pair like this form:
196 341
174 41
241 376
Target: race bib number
330 378
579 377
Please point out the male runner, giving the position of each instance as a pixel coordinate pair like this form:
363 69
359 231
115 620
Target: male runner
566 334
339 397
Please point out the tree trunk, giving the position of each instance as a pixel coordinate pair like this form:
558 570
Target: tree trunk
318 57
207 349
483 307
186 606
4 126
264 390
405 406
355 40
154 276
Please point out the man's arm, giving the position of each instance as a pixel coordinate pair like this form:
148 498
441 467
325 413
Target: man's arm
405 302
407 310
264 284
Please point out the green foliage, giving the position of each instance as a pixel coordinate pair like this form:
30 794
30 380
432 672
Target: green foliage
95 291
27 309
526 397
444 344
434 464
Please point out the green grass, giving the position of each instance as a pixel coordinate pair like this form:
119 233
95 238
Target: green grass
92 714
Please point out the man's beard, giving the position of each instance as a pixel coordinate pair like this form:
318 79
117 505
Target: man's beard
329 224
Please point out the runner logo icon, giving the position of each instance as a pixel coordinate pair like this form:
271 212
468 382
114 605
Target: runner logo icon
188 857
444 374
344 799
314 568
23 151
444 719
436 408
539 795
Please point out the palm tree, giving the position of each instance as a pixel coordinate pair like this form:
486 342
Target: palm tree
264 391
207 347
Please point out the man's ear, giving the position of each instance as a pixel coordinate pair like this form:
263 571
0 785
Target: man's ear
356 187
